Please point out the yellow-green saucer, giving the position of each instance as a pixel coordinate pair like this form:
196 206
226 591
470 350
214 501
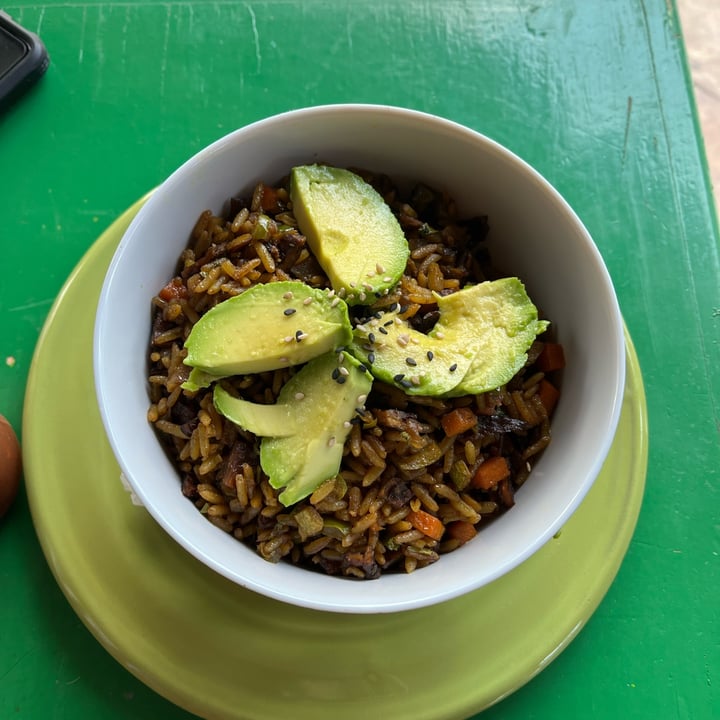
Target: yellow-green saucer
223 652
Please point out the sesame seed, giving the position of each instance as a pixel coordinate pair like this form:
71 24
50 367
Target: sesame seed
331 293
300 335
344 371
288 338
336 373
307 301
383 330
371 357
362 296
288 295
371 338
406 383
289 311
403 309
340 380
352 285
387 279
415 379
362 368
368 287
331 441
360 399
440 335
411 361
388 323
528 467
393 307
335 301
341 357
453 367
341 292
380 269
370 274
398 377
347 424
299 395
430 355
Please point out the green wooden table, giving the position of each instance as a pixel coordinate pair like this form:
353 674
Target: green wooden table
595 95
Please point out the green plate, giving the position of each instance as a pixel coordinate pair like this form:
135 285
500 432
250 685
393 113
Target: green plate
220 651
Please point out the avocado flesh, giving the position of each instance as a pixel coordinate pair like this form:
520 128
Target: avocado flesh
418 364
278 419
503 322
269 326
351 230
199 379
302 462
304 432
478 344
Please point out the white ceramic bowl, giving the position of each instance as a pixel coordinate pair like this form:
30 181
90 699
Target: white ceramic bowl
534 234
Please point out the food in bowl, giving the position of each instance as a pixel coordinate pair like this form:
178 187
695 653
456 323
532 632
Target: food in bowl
535 236
358 400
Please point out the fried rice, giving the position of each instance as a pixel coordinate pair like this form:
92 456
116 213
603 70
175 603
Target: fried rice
407 490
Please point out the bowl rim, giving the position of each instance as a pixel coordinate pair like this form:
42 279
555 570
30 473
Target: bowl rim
360 602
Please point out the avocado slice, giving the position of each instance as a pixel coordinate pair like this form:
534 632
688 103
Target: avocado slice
417 363
277 419
503 323
199 379
351 230
269 326
479 342
304 432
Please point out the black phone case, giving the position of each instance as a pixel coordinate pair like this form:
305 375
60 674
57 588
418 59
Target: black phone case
32 62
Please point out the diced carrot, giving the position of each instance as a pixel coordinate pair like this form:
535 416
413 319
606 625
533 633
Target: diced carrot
490 473
426 523
173 290
548 395
458 421
461 530
551 358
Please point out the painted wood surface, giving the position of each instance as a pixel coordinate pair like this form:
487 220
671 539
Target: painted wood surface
594 95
